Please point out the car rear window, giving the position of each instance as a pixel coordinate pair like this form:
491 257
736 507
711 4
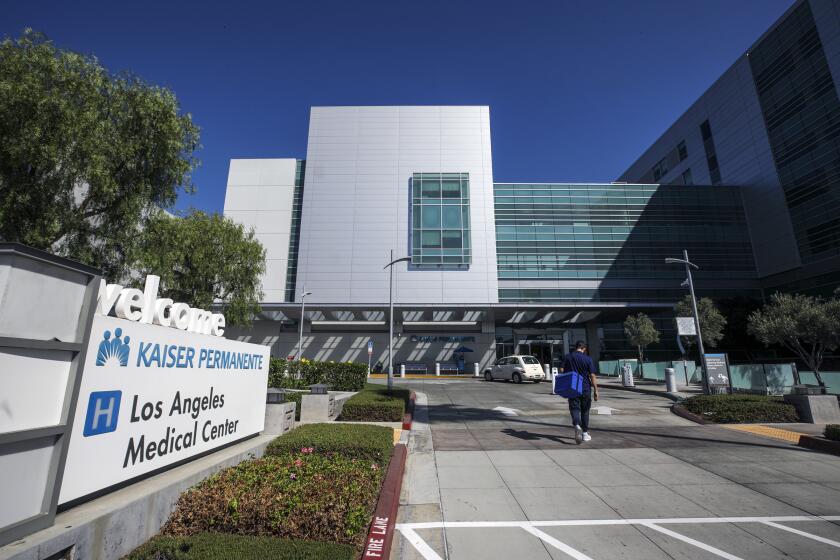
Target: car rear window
530 360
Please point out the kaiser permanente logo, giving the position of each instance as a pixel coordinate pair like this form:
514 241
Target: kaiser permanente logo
113 350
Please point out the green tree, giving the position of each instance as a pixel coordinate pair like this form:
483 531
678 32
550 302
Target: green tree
805 325
204 260
712 322
640 332
85 155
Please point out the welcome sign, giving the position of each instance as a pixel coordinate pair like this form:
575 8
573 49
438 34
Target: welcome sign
152 396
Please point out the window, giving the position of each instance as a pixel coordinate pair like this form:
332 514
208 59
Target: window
682 150
660 169
711 155
686 177
705 130
529 360
440 217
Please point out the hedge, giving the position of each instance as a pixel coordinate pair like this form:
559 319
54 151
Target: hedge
374 404
352 441
741 408
300 495
832 431
218 546
340 376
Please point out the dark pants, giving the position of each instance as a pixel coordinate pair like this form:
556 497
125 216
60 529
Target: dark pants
579 407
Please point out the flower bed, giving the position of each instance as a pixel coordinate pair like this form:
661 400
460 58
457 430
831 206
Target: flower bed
725 409
374 404
219 546
319 482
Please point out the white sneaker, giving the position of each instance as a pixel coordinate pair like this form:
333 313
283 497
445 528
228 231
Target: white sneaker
586 436
578 434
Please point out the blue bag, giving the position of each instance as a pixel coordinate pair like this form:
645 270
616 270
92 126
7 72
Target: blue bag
568 385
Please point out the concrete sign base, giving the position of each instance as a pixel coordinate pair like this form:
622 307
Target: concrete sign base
816 409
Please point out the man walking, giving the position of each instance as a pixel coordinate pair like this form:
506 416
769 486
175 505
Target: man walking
578 361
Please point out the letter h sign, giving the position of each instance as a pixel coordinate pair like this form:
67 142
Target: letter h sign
103 411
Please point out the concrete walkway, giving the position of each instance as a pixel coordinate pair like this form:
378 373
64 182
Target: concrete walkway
493 472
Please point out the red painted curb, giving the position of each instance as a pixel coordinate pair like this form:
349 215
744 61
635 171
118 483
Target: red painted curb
381 532
820 444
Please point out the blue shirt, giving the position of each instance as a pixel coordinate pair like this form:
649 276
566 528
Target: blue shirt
581 363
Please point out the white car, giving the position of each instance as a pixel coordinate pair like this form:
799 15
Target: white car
516 369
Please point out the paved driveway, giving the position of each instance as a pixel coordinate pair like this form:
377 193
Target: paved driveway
494 472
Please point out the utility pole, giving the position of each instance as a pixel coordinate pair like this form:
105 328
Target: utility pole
390 266
688 266
302 317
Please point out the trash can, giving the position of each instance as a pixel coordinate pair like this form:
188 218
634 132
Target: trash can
670 380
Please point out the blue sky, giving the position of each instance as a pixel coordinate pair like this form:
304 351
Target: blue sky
577 88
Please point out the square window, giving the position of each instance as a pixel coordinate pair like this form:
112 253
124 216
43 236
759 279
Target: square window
430 188
430 239
451 189
452 239
431 217
451 217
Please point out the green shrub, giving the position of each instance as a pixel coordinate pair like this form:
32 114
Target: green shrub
832 431
373 404
303 496
340 376
352 441
741 408
218 546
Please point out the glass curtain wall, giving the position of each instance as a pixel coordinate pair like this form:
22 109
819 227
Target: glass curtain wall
440 217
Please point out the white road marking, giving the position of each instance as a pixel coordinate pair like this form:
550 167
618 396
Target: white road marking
641 521
803 533
559 545
689 540
604 410
507 411
408 530
419 544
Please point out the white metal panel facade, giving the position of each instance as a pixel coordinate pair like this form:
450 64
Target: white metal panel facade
259 195
356 204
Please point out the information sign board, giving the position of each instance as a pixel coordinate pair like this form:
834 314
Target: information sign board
717 370
152 396
686 326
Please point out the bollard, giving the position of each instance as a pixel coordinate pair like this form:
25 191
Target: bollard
477 369
627 375
402 370
670 380
437 369
546 370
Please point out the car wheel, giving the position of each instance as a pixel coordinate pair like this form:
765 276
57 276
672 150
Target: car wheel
537 381
488 376
516 378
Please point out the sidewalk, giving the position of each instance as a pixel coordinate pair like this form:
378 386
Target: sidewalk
650 387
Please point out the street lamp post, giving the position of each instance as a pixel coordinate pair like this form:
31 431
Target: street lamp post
688 266
390 266
302 316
